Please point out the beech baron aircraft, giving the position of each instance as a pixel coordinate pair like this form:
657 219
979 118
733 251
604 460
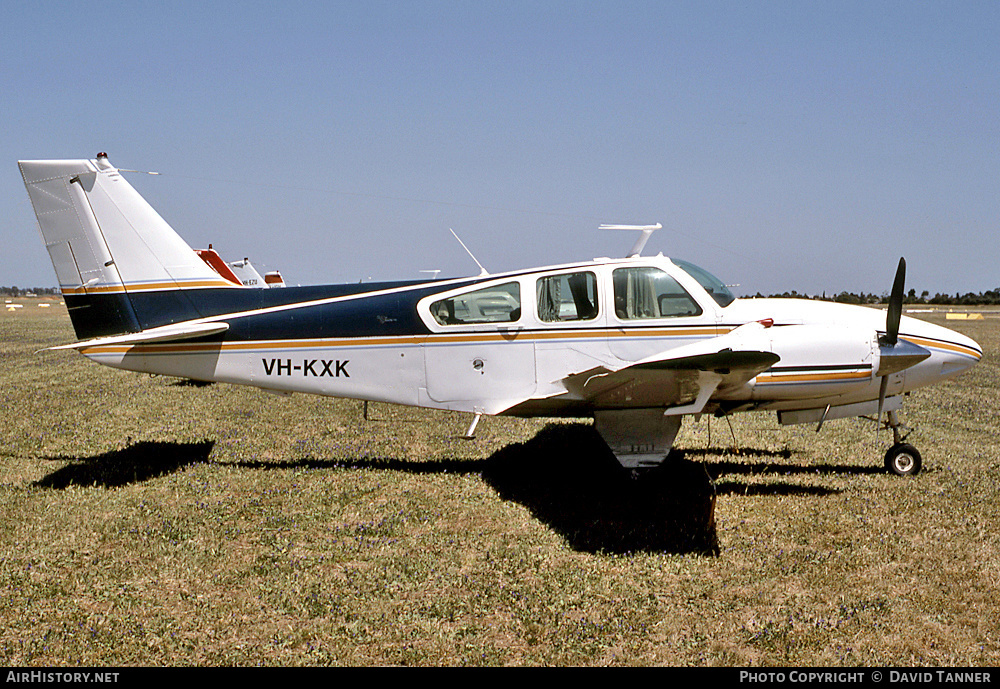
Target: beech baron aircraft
636 343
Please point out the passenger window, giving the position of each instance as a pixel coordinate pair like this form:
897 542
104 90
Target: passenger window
569 297
496 304
648 292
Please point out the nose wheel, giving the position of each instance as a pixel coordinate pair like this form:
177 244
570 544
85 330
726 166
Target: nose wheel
902 458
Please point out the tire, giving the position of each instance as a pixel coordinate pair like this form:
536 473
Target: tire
903 460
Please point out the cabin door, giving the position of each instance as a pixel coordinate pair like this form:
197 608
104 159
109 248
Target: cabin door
480 372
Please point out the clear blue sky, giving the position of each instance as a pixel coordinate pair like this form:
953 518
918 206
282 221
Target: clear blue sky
783 145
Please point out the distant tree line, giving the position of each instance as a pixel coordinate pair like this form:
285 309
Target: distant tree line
15 291
990 297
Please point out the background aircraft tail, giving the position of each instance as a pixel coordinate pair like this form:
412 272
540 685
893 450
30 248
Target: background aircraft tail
111 251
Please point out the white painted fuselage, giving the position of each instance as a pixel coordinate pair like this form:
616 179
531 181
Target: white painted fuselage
828 352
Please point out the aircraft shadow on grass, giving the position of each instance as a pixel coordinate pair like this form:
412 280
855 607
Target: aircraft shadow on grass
565 476
569 480
133 464
723 473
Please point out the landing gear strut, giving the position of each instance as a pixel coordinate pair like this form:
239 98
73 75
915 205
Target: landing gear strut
902 458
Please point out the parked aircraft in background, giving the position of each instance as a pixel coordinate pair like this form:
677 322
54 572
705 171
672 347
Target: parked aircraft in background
636 343
240 273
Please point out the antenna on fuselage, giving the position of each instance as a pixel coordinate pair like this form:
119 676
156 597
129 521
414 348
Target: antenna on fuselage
646 232
483 272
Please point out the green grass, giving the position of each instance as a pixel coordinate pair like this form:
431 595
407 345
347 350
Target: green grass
148 522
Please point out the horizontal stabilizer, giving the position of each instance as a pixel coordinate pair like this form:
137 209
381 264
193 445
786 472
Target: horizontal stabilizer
166 333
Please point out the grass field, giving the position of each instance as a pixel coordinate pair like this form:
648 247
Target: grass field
144 521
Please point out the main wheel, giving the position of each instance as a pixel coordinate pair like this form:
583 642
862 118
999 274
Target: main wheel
903 459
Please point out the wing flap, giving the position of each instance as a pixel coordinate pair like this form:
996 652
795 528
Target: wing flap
680 380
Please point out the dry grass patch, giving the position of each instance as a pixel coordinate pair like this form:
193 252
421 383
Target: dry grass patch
145 521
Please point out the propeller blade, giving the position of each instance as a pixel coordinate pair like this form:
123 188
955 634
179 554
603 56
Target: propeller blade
881 397
895 310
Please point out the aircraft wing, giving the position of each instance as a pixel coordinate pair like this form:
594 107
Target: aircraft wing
681 380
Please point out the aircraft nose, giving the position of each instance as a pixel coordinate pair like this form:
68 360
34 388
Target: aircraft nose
952 352
963 353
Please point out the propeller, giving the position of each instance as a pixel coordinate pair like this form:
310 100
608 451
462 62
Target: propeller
895 311
894 354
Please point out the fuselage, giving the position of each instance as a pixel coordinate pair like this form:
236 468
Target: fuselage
507 343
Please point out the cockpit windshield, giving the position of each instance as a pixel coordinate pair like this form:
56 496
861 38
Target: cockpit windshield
713 285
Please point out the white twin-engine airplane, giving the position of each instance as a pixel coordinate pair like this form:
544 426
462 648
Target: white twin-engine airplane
637 343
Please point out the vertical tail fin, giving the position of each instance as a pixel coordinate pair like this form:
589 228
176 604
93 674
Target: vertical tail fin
108 245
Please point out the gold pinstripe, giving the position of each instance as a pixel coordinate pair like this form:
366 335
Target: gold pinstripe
432 338
149 286
812 377
947 346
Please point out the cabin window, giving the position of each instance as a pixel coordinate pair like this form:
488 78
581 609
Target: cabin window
649 292
494 304
713 285
568 297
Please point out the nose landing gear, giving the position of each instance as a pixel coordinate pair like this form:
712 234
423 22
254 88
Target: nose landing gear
902 458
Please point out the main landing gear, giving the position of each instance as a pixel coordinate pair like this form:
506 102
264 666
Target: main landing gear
902 458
